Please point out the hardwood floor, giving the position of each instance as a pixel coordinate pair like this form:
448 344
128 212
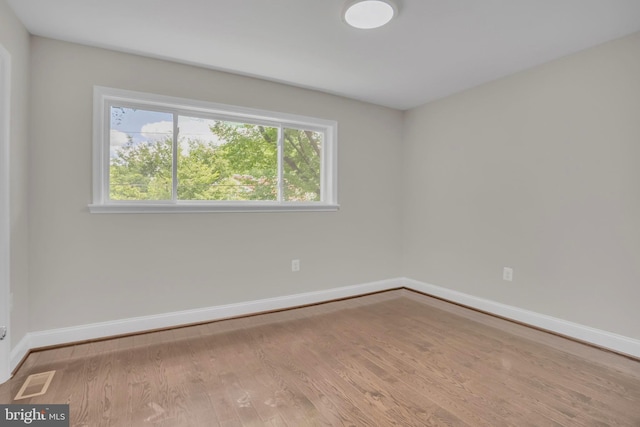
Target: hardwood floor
396 358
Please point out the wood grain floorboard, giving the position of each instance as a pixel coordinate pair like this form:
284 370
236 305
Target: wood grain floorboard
290 364
297 399
357 352
353 372
327 385
566 378
532 389
395 358
264 390
454 371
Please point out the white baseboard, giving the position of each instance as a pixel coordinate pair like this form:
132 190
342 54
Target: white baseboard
609 340
19 352
93 331
50 337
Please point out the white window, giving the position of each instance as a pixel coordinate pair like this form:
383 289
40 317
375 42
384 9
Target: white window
154 153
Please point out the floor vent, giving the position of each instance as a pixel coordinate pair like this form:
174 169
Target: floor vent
35 385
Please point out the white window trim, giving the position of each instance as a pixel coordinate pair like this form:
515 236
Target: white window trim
104 97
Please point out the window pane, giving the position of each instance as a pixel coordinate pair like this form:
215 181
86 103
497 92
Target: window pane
301 165
189 156
221 160
140 148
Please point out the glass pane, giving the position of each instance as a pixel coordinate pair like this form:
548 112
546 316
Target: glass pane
301 165
221 160
140 148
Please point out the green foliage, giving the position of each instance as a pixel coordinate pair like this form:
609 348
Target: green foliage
198 171
243 166
301 165
141 172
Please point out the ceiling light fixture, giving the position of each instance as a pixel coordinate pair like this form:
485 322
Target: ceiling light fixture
367 14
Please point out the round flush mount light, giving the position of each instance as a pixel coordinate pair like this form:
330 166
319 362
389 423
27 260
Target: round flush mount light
367 14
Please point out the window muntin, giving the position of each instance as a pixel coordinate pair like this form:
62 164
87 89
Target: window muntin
155 153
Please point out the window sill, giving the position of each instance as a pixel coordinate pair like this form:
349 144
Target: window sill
149 208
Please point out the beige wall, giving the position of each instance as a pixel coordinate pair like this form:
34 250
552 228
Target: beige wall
88 268
540 172
15 39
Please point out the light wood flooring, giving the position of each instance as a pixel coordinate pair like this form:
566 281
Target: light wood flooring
395 358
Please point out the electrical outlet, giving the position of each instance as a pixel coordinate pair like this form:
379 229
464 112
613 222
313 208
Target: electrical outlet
295 265
507 274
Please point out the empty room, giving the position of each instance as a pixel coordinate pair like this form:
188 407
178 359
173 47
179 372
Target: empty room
320 212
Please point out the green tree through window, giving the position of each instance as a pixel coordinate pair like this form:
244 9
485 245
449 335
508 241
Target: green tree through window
163 154
228 162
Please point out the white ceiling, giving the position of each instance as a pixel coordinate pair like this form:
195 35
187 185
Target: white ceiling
433 49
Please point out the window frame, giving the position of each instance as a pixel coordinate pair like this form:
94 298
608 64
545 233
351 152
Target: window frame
104 98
